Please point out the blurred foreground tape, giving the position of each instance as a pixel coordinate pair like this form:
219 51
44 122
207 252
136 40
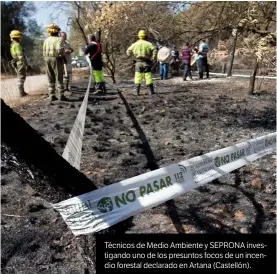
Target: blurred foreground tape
104 207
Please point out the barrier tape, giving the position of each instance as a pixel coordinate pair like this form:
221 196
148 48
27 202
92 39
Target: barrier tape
104 207
245 76
73 149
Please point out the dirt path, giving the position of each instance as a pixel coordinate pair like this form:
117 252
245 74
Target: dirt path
126 136
34 85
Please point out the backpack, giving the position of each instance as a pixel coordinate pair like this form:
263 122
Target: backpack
164 54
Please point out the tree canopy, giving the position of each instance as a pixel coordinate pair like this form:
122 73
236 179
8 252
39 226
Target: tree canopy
17 15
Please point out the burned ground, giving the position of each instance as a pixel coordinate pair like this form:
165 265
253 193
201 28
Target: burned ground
126 136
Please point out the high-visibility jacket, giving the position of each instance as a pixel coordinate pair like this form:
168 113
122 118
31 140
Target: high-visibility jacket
17 51
53 47
142 50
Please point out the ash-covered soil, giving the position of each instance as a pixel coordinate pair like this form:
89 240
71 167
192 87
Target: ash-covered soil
126 136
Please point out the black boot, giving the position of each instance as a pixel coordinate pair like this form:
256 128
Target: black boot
151 89
52 98
104 89
63 98
22 92
137 90
97 88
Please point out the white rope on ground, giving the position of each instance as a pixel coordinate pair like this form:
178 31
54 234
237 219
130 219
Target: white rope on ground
73 149
245 76
104 207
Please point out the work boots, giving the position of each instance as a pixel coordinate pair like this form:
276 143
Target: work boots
137 90
151 89
63 98
52 98
22 93
104 89
66 83
98 88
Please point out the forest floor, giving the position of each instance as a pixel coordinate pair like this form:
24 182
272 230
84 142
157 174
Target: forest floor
182 120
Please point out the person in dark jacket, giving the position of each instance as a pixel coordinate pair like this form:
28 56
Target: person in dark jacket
175 61
186 56
93 49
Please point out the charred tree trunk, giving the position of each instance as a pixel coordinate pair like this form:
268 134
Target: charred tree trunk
82 31
98 35
78 5
232 55
110 65
253 78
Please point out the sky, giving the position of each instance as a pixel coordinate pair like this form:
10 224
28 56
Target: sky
45 11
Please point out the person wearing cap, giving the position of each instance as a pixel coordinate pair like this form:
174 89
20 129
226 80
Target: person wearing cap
144 53
53 53
19 62
94 52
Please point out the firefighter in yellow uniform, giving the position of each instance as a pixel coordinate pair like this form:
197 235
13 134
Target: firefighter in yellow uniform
19 62
53 53
143 51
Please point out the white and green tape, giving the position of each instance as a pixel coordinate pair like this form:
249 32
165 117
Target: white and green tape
104 207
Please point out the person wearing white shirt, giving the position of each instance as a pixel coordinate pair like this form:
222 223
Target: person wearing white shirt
164 57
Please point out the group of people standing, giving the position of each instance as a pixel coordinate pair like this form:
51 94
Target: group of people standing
57 56
189 56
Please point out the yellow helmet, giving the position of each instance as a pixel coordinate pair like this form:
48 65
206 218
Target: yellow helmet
142 34
15 34
53 28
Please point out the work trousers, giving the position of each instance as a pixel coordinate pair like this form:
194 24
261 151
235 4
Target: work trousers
68 78
143 70
187 71
20 69
99 80
55 71
203 64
